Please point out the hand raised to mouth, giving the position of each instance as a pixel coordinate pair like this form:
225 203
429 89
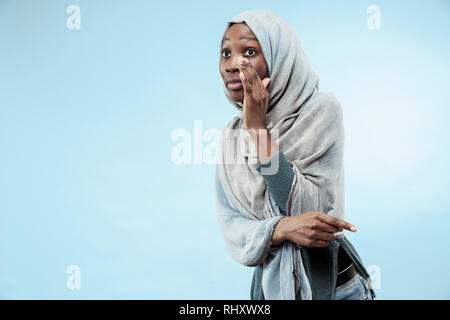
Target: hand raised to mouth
256 96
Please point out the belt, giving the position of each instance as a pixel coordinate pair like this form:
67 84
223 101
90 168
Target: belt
346 275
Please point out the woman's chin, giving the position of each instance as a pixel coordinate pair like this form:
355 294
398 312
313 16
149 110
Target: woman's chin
236 96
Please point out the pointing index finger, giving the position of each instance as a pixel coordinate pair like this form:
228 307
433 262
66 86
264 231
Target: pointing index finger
339 223
247 88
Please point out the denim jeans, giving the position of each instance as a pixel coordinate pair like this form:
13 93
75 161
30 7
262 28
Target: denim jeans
354 289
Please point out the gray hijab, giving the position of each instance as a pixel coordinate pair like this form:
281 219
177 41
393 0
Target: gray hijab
307 125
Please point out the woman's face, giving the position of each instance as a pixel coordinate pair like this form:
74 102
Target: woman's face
239 42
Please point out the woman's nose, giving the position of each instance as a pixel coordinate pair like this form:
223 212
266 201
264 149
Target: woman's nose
234 66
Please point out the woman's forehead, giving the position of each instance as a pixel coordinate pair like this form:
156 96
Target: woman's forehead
240 30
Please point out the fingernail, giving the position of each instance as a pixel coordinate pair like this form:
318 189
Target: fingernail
353 228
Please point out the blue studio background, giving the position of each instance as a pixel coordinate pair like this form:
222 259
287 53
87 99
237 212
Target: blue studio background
87 118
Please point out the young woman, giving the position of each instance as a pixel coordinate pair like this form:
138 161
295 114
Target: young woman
280 175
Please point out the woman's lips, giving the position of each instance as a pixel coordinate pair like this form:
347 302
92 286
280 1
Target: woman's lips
235 85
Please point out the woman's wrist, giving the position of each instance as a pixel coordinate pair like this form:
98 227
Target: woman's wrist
265 145
279 234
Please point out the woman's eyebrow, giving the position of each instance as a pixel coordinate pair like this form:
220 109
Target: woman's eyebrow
242 38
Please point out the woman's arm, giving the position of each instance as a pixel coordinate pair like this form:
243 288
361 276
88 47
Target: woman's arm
279 177
309 229
263 138
326 125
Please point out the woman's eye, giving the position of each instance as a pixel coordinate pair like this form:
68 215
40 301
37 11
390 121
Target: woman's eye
224 52
251 50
